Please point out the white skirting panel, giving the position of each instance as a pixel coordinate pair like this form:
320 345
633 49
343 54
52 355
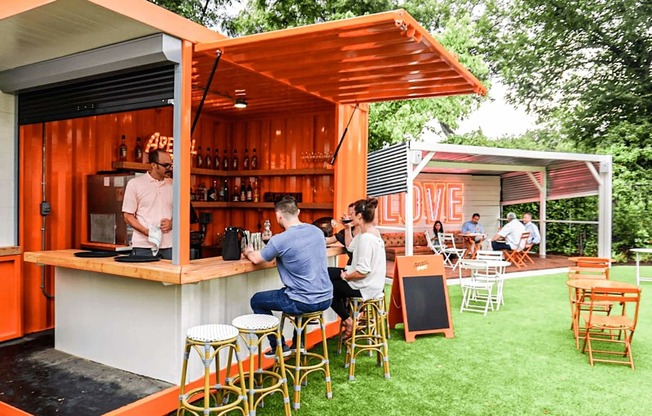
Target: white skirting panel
139 325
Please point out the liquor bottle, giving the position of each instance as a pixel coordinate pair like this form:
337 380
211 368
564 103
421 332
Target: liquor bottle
216 160
256 195
220 193
243 191
254 160
226 190
225 161
267 232
245 161
250 192
122 154
234 163
138 151
208 160
236 194
201 192
212 192
200 158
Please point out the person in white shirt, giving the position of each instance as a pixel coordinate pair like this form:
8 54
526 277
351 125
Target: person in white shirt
511 233
530 227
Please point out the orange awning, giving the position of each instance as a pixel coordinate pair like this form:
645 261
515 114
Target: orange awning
382 57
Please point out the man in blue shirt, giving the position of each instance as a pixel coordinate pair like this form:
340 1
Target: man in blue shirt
300 254
530 227
473 226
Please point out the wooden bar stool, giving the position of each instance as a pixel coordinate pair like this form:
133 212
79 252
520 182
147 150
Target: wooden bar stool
254 328
304 362
209 341
369 333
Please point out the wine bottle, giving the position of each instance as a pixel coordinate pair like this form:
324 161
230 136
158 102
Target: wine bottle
236 194
212 192
225 161
243 191
208 160
138 151
256 195
245 161
216 160
234 163
250 192
122 154
200 158
225 187
254 160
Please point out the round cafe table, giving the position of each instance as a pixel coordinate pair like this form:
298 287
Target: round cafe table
638 252
472 246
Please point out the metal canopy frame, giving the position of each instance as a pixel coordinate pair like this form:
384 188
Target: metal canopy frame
445 158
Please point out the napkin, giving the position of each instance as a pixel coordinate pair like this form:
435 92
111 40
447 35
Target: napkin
154 237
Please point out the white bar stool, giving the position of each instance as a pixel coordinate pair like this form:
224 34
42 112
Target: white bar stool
254 328
208 341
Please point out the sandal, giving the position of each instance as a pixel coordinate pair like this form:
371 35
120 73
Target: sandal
348 329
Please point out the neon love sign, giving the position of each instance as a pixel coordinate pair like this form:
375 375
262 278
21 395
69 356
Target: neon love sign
433 200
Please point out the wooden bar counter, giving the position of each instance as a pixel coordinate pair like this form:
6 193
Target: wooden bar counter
134 316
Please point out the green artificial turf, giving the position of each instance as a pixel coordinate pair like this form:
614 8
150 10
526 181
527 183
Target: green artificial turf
520 360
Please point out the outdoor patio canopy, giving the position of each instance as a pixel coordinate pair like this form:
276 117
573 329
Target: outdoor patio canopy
526 176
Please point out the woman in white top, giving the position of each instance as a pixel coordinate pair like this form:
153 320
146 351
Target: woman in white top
365 276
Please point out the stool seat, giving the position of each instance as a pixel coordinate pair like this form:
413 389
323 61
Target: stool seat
255 322
212 333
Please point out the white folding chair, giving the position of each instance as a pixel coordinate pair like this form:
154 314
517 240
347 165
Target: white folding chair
494 272
449 250
476 293
432 244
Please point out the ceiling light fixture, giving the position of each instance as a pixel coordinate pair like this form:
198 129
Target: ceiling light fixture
240 103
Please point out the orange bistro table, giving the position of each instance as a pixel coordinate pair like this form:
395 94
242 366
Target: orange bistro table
583 288
469 241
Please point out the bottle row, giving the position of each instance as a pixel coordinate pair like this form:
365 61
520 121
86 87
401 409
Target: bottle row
207 161
122 150
224 193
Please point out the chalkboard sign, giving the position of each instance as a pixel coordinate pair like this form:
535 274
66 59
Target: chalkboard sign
420 297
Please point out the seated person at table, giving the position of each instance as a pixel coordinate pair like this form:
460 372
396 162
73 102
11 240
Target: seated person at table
300 256
365 277
472 227
510 233
530 227
437 228
344 237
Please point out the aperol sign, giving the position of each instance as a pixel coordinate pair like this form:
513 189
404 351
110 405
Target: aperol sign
433 200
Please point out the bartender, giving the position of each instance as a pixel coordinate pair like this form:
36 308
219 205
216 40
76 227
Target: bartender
147 208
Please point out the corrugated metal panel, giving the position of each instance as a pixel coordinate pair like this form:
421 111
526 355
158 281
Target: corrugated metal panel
145 88
571 179
565 180
517 187
387 171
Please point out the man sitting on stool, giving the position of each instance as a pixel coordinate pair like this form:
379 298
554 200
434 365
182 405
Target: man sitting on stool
511 233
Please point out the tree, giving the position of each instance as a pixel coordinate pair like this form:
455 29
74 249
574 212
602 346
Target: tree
584 63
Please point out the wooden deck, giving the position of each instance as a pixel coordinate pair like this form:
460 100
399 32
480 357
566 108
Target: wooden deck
550 262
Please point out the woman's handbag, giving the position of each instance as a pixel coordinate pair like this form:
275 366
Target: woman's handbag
231 247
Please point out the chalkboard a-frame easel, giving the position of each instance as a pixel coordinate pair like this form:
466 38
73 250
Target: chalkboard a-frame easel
420 297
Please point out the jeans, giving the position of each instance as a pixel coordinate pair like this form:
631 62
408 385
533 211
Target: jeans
499 245
278 300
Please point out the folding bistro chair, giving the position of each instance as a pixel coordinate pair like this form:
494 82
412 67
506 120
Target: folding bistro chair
432 245
593 262
515 256
525 253
579 301
614 328
449 250
476 293
494 273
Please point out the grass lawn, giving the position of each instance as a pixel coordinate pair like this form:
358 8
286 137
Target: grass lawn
520 360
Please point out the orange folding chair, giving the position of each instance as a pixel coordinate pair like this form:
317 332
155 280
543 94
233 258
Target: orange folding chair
516 256
526 252
579 301
612 329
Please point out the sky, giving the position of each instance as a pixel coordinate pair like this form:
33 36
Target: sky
497 118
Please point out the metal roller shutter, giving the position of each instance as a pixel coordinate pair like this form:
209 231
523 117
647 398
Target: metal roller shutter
110 93
387 170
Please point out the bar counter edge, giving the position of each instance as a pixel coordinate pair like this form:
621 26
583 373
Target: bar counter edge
161 271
